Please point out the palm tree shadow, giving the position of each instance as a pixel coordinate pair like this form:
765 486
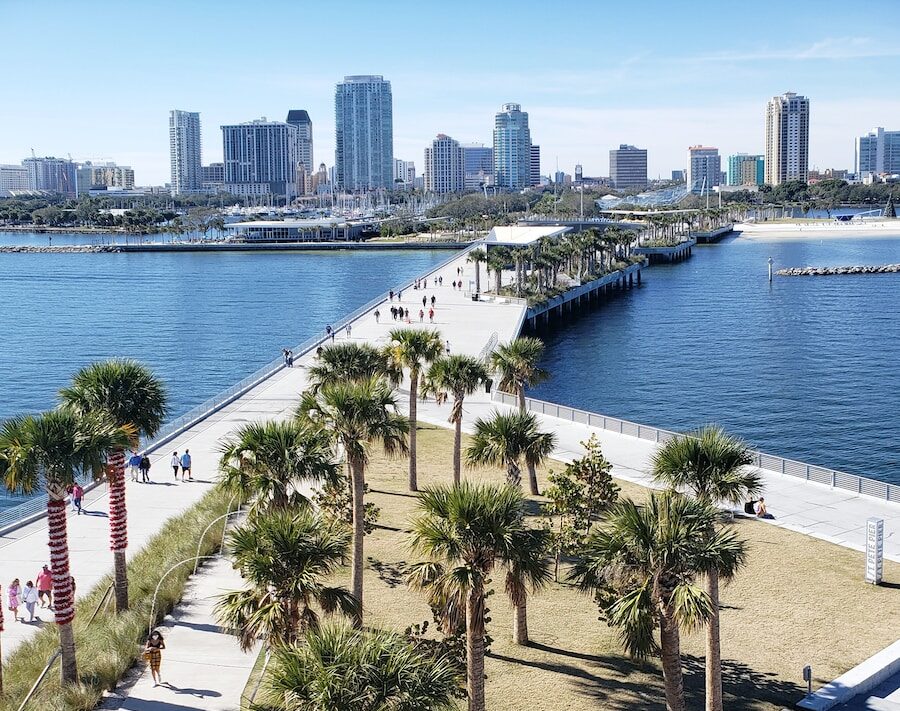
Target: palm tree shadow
394 493
742 686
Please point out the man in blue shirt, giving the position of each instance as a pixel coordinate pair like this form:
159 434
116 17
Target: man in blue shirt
186 466
134 464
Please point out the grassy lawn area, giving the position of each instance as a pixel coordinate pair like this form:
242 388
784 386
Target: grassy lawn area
799 601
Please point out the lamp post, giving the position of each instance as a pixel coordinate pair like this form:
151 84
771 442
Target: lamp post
771 262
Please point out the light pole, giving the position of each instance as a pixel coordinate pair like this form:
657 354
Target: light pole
771 261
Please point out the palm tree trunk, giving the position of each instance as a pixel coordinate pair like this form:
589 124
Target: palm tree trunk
520 621
477 278
513 474
63 596
713 646
475 647
356 566
457 449
413 394
118 526
670 644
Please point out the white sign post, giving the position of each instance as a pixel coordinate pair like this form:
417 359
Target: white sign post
874 550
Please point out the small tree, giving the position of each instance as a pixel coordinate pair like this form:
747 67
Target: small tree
334 503
579 495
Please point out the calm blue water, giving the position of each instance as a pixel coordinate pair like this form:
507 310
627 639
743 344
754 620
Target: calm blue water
807 367
201 321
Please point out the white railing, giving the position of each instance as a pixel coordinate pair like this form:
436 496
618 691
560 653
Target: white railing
810 472
34 507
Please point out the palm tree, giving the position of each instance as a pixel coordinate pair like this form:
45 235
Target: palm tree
506 439
641 566
285 557
357 415
528 568
349 362
129 394
712 465
268 463
456 376
477 257
469 529
413 349
337 667
54 449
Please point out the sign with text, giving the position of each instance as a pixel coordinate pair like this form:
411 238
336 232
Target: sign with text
874 550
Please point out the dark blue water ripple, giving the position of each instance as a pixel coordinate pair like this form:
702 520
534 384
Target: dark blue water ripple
807 367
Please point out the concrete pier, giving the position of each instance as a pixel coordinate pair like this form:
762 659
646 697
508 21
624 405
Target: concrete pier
674 253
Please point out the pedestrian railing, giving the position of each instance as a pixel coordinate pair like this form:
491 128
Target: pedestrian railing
810 472
32 508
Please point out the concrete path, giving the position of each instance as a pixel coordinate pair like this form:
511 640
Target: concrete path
809 508
202 667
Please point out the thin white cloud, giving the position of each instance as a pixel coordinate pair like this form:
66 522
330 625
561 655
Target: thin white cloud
828 49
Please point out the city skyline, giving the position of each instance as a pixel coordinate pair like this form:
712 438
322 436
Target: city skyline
580 108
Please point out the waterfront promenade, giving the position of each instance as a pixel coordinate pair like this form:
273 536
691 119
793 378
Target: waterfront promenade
812 509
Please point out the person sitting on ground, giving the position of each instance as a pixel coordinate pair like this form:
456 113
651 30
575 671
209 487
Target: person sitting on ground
761 511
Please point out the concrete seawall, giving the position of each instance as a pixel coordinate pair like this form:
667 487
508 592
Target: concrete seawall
838 271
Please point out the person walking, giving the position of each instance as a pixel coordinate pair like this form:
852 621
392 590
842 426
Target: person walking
290 359
30 598
430 315
391 294
329 331
12 595
433 300
45 587
77 495
348 329
153 655
145 469
441 280
186 466
399 296
175 463
134 465
421 315
447 346
424 301
377 315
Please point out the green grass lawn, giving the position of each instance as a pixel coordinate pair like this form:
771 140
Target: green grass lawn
800 601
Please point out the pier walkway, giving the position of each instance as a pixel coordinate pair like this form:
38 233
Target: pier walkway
816 510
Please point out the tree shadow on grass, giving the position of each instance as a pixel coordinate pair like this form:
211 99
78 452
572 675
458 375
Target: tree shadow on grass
743 686
406 494
391 574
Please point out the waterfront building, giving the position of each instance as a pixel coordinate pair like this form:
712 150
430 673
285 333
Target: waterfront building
678 176
99 176
213 178
513 152
404 174
364 134
479 165
52 175
260 159
535 171
445 166
787 139
13 177
704 168
184 152
327 230
628 167
878 153
300 119
746 169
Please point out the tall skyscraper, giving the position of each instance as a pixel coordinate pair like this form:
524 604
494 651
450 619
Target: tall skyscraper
445 166
744 169
512 148
534 170
787 139
184 152
261 159
628 167
878 152
704 168
53 175
364 133
479 160
301 119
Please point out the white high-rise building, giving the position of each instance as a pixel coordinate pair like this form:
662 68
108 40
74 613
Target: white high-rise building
704 168
512 148
261 159
445 166
13 177
184 152
364 133
878 153
787 139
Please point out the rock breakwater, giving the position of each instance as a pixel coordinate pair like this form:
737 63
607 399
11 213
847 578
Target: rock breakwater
61 249
835 271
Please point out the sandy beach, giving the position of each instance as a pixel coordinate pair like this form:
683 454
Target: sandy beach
817 229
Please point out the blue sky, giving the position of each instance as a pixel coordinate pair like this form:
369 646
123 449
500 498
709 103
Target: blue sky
96 79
